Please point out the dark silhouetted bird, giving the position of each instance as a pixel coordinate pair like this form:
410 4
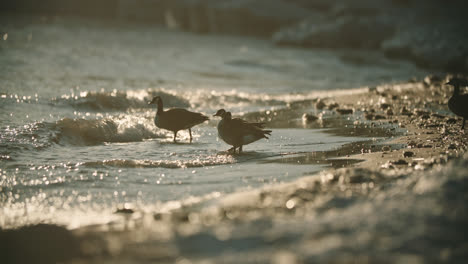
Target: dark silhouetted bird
237 132
176 119
458 103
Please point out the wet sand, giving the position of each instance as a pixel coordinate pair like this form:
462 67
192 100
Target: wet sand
382 201
432 133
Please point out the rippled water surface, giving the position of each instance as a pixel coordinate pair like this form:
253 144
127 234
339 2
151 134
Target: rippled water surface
77 138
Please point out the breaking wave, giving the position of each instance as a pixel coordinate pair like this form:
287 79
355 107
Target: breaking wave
98 131
77 132
118 100
200 99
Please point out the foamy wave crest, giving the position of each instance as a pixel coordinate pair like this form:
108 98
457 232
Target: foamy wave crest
230 99
92 132
170 164
197 99
118 100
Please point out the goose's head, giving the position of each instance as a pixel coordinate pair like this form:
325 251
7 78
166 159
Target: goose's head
220 113
156 100
458 82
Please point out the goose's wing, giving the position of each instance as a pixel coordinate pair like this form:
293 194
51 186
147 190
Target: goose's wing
258 124
183 118
245 128
459 105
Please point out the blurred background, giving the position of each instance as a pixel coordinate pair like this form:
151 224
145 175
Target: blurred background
428 33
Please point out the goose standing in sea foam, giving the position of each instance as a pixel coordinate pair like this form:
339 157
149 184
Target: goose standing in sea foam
458 103
237 132
176 119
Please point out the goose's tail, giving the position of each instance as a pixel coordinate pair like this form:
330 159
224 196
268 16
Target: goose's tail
201 118
258 124
266 133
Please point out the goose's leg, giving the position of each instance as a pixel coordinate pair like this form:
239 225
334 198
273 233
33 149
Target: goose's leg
240 149
175 135
233 149
463 124
190 132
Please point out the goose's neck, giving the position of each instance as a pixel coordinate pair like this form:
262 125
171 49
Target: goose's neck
456 90
160 107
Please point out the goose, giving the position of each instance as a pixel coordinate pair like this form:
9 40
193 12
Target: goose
176 119
458 103
237 132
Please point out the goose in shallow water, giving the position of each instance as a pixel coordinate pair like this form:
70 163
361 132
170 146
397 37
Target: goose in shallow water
237 132
458 103
176 119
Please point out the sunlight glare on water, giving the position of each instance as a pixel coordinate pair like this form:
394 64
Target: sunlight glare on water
77 138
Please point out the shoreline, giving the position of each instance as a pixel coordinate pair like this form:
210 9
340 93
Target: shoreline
299 221
425 116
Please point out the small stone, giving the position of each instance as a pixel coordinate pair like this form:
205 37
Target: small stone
400 162
408 154
389 111
369 116
344 111
157 216
309 117
385 106
124 211
421 112
405 111
332 106
451 121
437 115
452 146
320 104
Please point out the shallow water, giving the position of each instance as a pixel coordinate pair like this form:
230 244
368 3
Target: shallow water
77 139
